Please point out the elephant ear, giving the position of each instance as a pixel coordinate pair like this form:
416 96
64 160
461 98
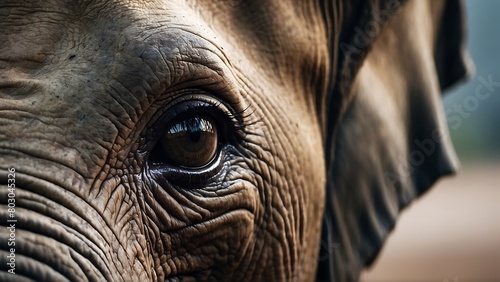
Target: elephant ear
452 59
390 143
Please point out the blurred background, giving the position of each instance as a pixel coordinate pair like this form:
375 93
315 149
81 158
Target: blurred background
452 233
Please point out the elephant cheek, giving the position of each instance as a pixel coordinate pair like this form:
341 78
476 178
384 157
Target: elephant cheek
297 198
314 205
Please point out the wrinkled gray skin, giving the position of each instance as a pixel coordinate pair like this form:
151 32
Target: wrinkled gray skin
324 132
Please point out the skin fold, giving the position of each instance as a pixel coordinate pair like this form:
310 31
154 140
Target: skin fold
310 121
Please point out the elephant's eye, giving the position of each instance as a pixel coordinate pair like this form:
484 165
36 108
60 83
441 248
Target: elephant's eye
191 141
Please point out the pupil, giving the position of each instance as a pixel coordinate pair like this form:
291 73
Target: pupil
195 132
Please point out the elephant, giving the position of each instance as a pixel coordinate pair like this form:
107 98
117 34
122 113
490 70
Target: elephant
307 126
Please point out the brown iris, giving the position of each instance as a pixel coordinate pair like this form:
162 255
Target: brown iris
191 142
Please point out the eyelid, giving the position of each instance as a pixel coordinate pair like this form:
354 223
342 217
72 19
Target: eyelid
231 124
214 112
189 178
232 121
228 122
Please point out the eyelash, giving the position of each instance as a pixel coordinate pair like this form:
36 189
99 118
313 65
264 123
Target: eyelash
236 122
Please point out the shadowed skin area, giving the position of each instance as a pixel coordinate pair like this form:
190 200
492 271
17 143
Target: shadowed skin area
88 90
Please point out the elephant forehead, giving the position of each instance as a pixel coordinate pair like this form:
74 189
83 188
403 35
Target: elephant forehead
29 34
266 39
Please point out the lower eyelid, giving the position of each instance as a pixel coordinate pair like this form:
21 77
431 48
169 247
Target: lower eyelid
189 178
